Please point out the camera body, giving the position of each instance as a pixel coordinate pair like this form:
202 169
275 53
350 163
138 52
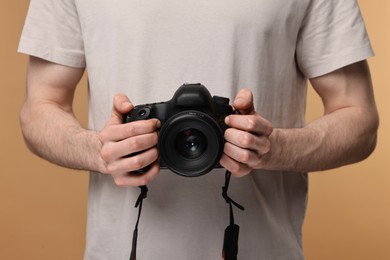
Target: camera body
191 138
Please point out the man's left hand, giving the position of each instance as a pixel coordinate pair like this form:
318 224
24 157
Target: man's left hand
247 139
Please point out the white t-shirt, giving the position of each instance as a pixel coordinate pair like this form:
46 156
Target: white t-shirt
147 49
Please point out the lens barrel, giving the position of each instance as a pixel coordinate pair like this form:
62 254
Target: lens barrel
190 143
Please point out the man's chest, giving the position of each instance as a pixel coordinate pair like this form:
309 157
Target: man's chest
182 16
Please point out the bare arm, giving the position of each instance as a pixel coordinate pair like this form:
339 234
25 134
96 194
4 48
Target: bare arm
346 133
48 124
51 130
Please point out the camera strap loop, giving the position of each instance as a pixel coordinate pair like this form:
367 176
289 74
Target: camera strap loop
230 241
138 204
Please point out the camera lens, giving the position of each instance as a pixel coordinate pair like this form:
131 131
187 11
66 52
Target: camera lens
191 143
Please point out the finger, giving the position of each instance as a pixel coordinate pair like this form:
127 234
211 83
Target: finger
132 163
114 133
114 150
244 101
136 179
121 105
237 169
251 123
261 144
244 156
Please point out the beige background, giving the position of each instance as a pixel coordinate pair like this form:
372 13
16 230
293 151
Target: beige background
43 207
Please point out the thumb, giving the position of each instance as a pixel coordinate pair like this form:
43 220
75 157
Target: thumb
244 102
121 105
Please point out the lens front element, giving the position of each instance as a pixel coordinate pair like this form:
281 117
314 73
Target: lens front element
190 143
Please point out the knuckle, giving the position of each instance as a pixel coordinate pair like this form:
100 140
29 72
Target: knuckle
111 169
105 153
245 157
235 168
267 147
245 140
251 123
137 162
135 144
130 130
103 136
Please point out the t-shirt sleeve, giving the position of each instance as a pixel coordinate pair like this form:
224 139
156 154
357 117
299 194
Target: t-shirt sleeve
52 32
333 35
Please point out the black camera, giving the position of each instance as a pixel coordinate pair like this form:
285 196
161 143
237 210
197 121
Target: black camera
191 138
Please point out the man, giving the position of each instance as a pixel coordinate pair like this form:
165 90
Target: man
146 49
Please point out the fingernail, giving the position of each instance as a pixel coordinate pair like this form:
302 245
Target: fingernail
227 120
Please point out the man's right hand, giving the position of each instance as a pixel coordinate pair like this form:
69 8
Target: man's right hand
119 140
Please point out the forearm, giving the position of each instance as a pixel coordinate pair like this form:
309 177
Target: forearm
54 134
334 140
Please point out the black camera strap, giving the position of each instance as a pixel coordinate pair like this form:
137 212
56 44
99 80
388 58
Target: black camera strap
138 204
230 241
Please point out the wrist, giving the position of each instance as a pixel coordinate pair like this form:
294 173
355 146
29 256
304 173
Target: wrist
286 151
97 163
